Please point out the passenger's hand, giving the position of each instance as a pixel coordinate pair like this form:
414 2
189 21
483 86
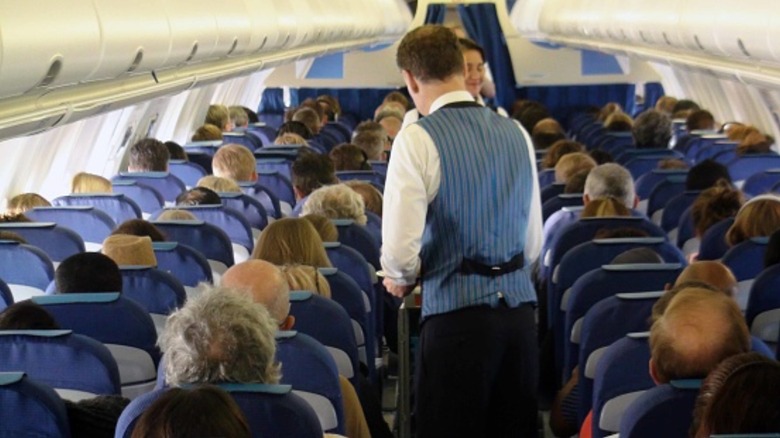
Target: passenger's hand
396 289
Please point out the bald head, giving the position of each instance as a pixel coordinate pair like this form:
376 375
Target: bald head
265 284
711 272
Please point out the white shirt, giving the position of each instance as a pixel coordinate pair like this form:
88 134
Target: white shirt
414 178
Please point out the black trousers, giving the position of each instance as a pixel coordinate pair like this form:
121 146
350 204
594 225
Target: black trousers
476 374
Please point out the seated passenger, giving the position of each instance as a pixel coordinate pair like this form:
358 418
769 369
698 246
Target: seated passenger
758 217
10 235
754 143
88 272
219 116
372 144
348 156
84 182
199 196
26 201
325 228
378 130
26 315
665 104
715 204
336 201
618 122
207 132
391 120
175 151
309 117
652 130
295 127
239 118
140 227
127 250
235 162
290 138
700 120
607 110
309 173
176 215
683 108
605 207
372 197
546 133
219 184
330 106
148 155
291 240
308 278
571 164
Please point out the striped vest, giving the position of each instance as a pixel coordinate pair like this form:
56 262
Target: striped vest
480 212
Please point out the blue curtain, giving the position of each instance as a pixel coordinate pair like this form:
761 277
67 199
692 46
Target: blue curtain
360 102
653 92
435 14
564 100
481 23
272 101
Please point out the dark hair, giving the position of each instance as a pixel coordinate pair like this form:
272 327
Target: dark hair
706 174
430 53
637 255
26 315
601 156
685 105
295 128
251 115
88 272
652 129
347 156
468 45
530 114
149 155
140 227
175 151
201 412
312 171
10 235
699 119
543 140
199 196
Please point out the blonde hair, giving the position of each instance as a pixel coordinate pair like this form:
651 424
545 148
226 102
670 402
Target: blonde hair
571 164
207 132
84 182
325 228
291 240
308 278
219 184
336 201
176 215
758 217
26 201
558 150
372 197
235 162
605 207
290 138
218 115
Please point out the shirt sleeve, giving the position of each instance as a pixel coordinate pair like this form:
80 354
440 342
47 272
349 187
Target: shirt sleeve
533 237
413 178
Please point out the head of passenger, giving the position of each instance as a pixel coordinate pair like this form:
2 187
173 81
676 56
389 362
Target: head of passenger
207 132
670 291
88 272
372 144
739 396
219 184
474 58
700 120
127 250
705 174
390 120
546 133
576 182
324 226
203 411
601 156
754 143
710 272
90 183
605 207
618 122
176 215
26 315
140 227
330 105
683 108
607 110
347 156
308 278
672 163
219 116
573 163
291 240
290 138
10 235
336 201
696 331
738 131
266 285
199 196
398 97
26 201
637 256
372 197
652 129
758 217
175 151
220 335
238 117
715 204
429 55
295 127
148 155
610 181
235 162
310 118
558 150
310 172
530 114
665 104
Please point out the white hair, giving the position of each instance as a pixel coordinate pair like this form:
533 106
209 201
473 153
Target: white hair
337 201
611 180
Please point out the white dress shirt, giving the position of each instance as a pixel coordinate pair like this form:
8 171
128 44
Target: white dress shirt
413 180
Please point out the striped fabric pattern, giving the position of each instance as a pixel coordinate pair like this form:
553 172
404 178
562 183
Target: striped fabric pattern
480 212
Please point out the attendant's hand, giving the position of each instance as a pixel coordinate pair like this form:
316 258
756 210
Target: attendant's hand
396 289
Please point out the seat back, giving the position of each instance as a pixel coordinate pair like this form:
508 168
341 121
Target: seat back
91 224
763 307
160 293
337 130
714 149
351 263
558 202
118 206
272 159
30 408
267 198
83 367
665 410
164 182
25 269
310 369
360 239
546 177
670 218
272 411
278 183
685 231
379 167
713 241
750 164
238 137
146 197
746 261
663 191
188 172
761 182
232 222
209 240
57 242
647 182
265 133
552 190
250 208
327 322
6 297
185 263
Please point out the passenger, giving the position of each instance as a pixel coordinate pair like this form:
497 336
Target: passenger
347 156
295 127
239 118
758 217
372 197
26 315
127 250
737 397
310 118
607 110
605 207
199 196
88 272
251 115
700 120
310 172
308 278
543 139
10 235
706 174
637 256
290 138
175 151
618 122
576 182
601 156
140 227
207 132
330 105
235 162
571 164
558 150
683 108
391 120
672 163
610 181
8 217
90 183
397 96
652 130
738 131
324 226
371 144
20 204
665 104
219 184
548 125
376 129
710 272
201 412
336 201
176 215
754 143
530 114
291 240
713 205
148 155
219 116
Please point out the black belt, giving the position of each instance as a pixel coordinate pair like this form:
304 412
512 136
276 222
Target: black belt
468 267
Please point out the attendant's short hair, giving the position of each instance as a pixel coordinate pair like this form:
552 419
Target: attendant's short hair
207 132
238 116
652 129
88 272
312 171
698 120
759 217
220 335
347 156
203 411
84 182
430 53
336 201
219 184
706 174
218 115
291 240
199 196
26 315
308 117
148 155
371 143
295 127
140 227
235 162
611 180
175 151
24 202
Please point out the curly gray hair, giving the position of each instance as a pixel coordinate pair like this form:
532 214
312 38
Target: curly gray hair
220 336
336 201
